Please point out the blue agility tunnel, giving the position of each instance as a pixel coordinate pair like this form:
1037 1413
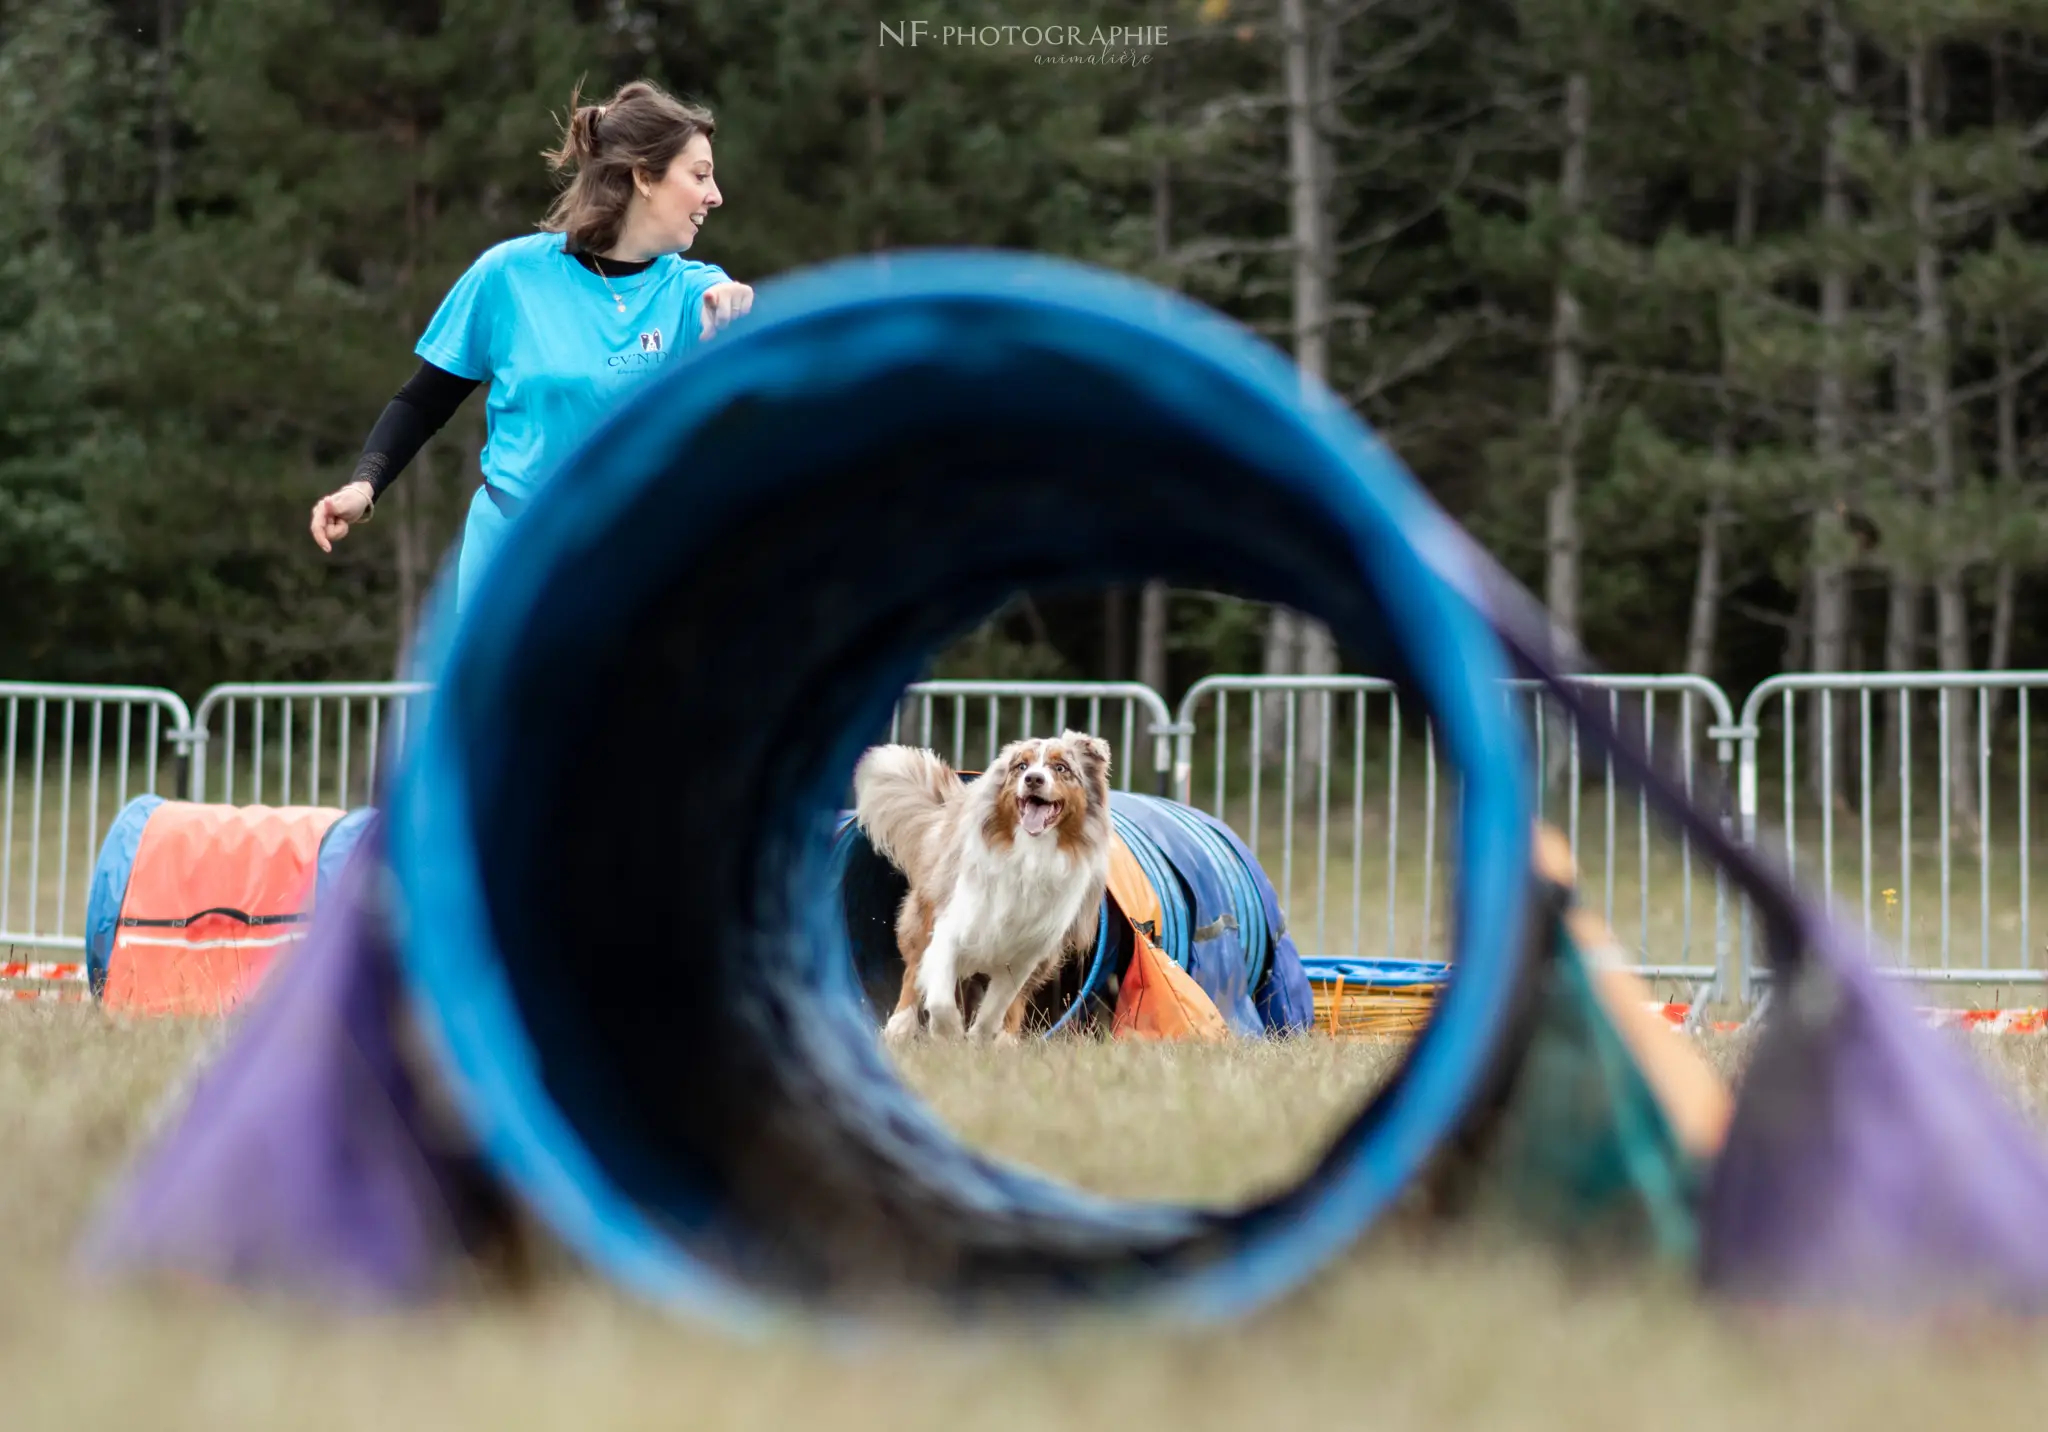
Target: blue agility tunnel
663 685
901 408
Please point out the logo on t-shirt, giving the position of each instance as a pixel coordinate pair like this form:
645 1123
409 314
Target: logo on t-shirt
644 359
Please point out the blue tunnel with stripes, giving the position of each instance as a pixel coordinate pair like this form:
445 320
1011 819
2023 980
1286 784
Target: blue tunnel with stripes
846 477
662 684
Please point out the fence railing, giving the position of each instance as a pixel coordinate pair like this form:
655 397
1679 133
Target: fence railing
1341 746
1906 796
967 722
1695 714
314 743
70 758
295 744
1847 758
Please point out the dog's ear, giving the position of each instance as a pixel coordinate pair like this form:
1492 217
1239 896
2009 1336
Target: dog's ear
1092 751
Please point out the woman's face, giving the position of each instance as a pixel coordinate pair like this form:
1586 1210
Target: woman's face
675 204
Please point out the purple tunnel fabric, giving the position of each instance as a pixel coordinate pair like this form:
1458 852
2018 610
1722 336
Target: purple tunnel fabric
1870 1163
305 1157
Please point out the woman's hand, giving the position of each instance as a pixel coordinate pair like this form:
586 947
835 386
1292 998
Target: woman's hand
723 303
333 514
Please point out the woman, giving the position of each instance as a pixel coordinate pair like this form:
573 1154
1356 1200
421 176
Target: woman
565 323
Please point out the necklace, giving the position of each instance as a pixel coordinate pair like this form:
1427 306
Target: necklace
598 264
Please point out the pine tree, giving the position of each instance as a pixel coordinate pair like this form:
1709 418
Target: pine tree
341 165
67 168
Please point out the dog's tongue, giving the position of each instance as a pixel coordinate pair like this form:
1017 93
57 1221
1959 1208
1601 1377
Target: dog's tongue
1036 816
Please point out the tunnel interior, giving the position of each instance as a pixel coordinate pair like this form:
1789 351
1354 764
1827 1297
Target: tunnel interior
618 830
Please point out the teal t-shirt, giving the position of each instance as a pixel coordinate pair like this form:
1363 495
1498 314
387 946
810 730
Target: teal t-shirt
547 335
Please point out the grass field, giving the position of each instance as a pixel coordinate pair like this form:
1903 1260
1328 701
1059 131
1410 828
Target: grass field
1480 1334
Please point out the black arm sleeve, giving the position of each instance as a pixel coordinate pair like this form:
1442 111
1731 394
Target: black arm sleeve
418 411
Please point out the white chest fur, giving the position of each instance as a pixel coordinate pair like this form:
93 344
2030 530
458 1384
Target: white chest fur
1015 903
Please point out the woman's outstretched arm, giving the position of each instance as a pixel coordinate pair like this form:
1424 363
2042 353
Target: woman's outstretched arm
421 408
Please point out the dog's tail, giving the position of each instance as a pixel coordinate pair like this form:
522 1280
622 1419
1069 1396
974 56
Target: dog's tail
899 799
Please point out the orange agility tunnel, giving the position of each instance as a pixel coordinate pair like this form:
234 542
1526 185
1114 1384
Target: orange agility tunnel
190 904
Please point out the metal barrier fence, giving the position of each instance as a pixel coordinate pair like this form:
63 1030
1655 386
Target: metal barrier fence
73 756
1322 773
974 725
303 742
1895 763
295 744
1319 739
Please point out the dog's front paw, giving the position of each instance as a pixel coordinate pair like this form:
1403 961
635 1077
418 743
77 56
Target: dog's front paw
988 1031
902 1026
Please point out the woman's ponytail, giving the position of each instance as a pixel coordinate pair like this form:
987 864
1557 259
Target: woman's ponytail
640 129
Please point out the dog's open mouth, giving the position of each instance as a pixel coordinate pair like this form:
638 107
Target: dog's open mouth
1038 815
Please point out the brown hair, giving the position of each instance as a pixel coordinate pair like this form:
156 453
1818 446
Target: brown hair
640 129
